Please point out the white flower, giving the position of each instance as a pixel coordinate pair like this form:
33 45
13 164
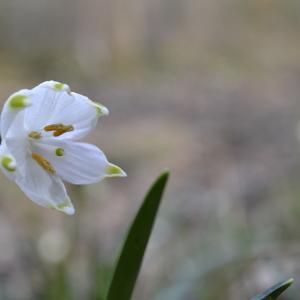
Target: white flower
39 130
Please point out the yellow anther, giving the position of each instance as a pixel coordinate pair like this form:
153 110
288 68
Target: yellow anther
43 162
59 128
35 135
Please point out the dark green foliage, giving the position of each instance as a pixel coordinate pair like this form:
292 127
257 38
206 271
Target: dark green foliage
274 291
131 257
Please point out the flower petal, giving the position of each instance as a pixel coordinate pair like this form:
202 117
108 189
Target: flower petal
13 111
44 188
78 163
54 103
18 148
7 162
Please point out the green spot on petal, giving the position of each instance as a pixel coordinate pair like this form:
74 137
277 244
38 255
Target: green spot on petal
65 207
59 151
113 170
8 163
18 101
58 86
62 205
100 109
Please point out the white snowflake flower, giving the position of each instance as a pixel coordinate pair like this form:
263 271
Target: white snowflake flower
39 148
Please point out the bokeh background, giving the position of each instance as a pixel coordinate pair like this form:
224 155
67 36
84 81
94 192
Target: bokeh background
209 89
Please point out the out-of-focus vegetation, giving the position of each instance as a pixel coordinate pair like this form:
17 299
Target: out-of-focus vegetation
209 89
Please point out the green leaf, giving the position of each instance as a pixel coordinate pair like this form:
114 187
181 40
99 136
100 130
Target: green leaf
274 291
131 257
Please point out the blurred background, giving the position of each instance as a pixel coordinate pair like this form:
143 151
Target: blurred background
209 89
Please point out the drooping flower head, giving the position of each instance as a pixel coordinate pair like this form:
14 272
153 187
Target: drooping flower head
40 129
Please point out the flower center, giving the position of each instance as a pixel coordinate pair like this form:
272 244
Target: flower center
59 128
43 162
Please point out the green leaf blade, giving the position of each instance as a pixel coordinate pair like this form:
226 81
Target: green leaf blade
132 254
274 291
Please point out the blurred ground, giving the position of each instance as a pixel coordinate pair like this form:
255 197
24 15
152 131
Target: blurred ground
208 89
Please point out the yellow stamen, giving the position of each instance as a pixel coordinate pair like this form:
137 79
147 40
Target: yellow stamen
35 135
43 162
59 129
